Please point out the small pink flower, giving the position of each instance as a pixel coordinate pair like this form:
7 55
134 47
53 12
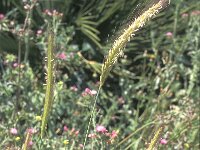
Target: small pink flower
114 134
65 128
163 141
62 56
39 32
81 145
169 34
55 12
13 131
31 131
84 94
195 12
30 143
74 88
92 135
72 130
184 15
93 92
45 11
87 90
76 133
107 134
48 12
15 65
101 129
1 16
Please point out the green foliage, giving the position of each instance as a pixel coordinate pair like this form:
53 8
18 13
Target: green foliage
156 82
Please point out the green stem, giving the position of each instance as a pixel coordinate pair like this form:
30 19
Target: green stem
128 137
50 82
91 116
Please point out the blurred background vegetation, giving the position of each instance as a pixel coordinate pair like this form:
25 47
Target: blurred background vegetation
156 82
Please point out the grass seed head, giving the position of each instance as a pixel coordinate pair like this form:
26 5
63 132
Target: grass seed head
117 49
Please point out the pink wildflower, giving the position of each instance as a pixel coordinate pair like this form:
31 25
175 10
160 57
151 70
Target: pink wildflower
65 128
1 16
195 12
114 134
84 94
163 141
13 131
184 15
101 129
72 130
39 32
15 65
87 90
107 134
31 130
93 92
81 145
77 132
48 12
62 55
92 135
169 34
30 143
74 88
55 12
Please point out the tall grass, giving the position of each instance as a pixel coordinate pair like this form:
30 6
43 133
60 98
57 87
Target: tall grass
117 48
49 81
164 88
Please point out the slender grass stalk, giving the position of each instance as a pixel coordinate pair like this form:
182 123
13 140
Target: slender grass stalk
91 116
27 140
26 28
155 138
129 136
49 82
117 49
17 105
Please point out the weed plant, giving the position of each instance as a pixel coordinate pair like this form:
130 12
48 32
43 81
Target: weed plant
148 93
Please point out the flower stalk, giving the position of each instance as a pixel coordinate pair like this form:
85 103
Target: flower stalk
49 82
27 140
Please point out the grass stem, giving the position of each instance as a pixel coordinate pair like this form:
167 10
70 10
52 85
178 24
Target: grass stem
91 116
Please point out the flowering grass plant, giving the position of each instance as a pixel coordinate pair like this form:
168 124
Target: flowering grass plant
63 86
